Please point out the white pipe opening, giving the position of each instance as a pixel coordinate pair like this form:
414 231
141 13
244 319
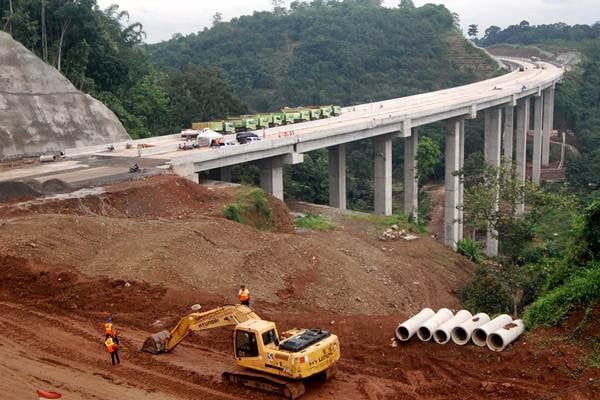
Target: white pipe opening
408 328
425 331
461 334
443 333
498 340
481 333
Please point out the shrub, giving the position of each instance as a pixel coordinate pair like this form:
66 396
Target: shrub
470 249
233 213
251 207
485 293
582 289
314 222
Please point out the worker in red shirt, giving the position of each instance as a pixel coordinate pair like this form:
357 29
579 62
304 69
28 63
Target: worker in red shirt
244 296
113 348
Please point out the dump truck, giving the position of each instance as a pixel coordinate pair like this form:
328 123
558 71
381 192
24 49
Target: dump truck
266 359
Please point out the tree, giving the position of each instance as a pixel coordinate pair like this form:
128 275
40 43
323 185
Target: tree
217 18
491 32
278 7
473 31
407 4
200 94
428 158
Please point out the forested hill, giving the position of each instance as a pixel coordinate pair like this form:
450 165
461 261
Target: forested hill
524 33
344 52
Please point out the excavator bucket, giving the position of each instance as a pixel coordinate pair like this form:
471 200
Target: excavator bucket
155 344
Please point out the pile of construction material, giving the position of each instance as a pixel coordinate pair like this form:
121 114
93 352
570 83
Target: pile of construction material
461 327
394 233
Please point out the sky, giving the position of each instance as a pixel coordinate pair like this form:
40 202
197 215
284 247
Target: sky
163 18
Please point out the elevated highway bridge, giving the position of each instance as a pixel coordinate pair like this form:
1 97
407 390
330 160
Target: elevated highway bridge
511 104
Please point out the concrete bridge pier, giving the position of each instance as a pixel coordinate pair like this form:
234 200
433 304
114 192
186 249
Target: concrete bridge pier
451 203
187 171
547 124
493 122
411 183
225 174
508 132
523 108
271 176
461 181
383 174
537 138
337 176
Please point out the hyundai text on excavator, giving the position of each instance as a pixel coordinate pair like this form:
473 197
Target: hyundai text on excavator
266 360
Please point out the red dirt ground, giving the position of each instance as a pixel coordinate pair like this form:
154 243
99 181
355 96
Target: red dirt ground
145 251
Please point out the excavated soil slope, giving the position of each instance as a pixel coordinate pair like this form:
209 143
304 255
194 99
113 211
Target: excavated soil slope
145 251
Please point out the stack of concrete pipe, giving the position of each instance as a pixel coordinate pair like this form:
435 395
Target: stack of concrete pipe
461 327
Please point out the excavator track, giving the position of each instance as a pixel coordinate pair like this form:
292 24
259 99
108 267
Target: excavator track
287 388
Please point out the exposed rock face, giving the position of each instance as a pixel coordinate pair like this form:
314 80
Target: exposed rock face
41 111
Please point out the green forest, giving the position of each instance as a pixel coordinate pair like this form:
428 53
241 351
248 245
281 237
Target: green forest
524 33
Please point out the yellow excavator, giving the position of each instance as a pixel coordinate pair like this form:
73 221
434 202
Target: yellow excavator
266 360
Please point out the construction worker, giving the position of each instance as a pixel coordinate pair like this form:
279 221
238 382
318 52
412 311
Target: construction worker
244 296
113 348
109 330
108 327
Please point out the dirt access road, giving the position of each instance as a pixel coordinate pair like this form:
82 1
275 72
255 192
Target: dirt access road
145 251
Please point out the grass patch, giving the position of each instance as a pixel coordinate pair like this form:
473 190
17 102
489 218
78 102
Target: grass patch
315 222
580 290
251 207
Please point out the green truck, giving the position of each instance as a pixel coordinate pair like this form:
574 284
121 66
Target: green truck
266 120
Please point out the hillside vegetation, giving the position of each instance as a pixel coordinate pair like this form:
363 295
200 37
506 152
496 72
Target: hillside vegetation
525 34
343 52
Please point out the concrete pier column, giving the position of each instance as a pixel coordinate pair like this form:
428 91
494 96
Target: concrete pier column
461 181
271 176
547 124
337 176
452 183
508 132
523 107
411 183
225 174
493 122
537 138
383 174
186 171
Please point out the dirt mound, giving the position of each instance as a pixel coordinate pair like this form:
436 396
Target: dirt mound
156 197
55 186
15 191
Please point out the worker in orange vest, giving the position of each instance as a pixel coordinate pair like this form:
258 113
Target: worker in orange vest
244 296
113 348
109 330
108 327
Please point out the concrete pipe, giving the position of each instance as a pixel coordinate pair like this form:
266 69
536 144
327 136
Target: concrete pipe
47 158
425 331
461 334
442 334
409 327
498 340
481 333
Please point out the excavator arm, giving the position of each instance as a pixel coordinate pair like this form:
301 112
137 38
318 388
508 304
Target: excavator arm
165 341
